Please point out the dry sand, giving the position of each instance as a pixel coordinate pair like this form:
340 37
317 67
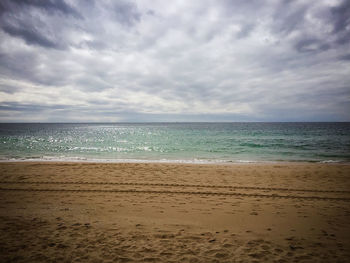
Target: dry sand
95 212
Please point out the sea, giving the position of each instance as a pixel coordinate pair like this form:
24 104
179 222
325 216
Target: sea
235 142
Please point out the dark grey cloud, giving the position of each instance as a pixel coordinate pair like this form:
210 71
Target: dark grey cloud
345 57
30 35
31 67
340 17
8 89
20 65
311 44
311 26
152 60
245 30
51 6
29 108
289 16
22 18
126 13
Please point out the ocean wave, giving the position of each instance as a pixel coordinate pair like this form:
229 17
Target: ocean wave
331 161
252 145
163 160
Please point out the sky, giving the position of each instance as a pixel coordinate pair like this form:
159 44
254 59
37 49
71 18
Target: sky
190 60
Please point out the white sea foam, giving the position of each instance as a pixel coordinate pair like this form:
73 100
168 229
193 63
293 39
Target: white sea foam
331 161
125 160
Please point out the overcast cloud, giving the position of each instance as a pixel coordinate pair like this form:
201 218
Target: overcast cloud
174 60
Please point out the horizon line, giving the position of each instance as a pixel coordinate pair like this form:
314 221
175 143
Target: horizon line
173 122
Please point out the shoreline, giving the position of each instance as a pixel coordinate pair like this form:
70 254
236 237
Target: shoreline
169 161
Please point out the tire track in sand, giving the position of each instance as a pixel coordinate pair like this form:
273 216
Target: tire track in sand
177 192
177 185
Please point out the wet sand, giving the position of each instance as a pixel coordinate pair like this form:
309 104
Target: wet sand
138 212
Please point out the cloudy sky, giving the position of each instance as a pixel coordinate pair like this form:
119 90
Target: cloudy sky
190 60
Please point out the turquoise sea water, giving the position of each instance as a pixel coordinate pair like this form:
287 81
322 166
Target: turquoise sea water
177 142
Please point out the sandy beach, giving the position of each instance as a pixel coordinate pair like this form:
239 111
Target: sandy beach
149 212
